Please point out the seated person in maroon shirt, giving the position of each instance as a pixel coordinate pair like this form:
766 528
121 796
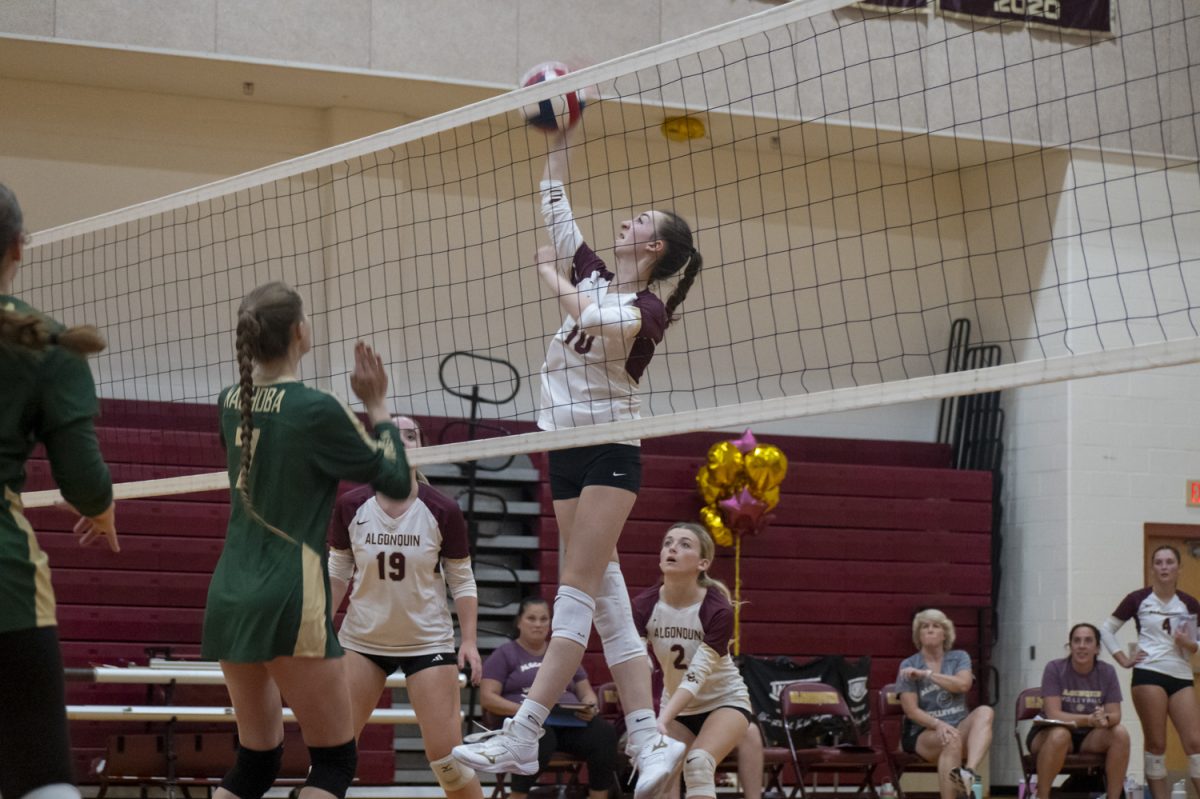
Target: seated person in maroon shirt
507 674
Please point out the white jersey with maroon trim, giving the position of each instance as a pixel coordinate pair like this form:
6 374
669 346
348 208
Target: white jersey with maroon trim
692 647
398 604
1156 622
594 363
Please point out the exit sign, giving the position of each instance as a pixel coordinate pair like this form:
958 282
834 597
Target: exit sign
1193 495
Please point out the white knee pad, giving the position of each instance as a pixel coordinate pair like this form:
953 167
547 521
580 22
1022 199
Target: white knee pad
614 619
573 611
1156 766
699 773
1194 766
451 774
57 790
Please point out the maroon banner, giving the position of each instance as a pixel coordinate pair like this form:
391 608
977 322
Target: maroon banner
1080 15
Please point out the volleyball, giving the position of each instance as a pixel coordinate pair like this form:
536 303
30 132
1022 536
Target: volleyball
557 112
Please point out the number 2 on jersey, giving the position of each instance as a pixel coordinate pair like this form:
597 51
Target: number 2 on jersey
678 650
391 566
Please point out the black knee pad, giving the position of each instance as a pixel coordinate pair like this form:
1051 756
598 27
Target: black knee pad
333 767
254 772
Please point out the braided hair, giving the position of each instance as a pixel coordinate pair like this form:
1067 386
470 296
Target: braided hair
32 331
264 332
680 254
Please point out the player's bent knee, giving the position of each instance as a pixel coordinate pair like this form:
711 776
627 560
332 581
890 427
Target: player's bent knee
333 767
699 773
573 610
451 774
618 636
253 772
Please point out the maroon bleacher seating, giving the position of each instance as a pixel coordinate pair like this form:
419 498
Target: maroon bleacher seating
865 532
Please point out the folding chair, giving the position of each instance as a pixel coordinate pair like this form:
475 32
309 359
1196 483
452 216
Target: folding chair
800 700
890 716
1029 705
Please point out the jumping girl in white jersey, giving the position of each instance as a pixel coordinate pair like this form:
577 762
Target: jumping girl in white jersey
688 620
405 552
613 321
1163 683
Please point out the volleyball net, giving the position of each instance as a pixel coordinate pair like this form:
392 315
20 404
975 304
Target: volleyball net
857 179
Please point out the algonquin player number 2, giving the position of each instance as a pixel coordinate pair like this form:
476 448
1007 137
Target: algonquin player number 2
391 566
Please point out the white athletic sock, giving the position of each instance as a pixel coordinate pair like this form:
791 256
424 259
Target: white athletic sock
527 724
642 727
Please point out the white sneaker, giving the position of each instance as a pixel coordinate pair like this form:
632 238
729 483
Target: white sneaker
499 752
659 760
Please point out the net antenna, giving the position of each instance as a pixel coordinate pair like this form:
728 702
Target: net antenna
866 178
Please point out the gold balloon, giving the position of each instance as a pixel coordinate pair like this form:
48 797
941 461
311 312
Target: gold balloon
770 496
711 518
725 464
766 466
704 482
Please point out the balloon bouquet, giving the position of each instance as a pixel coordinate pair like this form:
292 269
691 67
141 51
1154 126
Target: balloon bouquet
740 484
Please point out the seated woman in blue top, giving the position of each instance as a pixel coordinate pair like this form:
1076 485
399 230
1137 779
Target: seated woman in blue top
1082 690
933 686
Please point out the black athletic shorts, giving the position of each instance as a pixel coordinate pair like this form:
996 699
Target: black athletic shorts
1164 681
616 465
410 665
694 721
34 750
1077 737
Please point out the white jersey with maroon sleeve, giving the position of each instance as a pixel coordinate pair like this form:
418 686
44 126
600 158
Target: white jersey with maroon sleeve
594 363
1156 622
692 646
398 604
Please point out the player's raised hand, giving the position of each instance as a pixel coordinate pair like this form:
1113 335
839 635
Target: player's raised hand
369 379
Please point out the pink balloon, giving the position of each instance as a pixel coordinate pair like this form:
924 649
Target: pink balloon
746 443
744 513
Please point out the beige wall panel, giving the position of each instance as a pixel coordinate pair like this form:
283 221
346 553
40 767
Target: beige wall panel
52 191
462 39
168 24
28 17
307 31
584 32
197 140
681 17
